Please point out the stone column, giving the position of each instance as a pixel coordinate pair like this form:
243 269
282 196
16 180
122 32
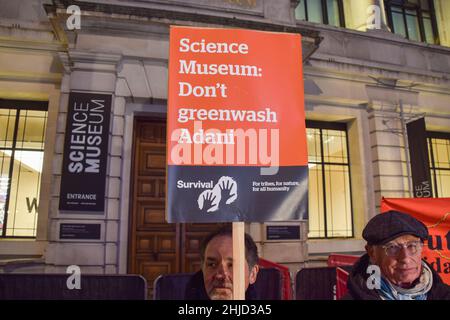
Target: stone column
442 9
388 152
88 72
390 157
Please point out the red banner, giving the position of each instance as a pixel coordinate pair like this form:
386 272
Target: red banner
341 282
435 214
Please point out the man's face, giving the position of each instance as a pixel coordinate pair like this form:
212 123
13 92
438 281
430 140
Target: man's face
218 269
401 269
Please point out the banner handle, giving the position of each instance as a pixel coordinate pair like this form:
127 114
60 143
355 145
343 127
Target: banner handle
239 260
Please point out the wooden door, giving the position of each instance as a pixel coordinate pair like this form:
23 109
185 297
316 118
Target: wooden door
157 247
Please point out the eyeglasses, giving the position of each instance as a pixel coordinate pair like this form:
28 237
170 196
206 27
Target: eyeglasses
412 247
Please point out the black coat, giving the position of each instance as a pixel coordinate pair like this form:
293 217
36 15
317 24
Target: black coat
357 288
195 289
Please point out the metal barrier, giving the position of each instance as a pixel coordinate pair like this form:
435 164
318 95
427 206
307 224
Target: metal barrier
285 274
315 284
338 260
19 286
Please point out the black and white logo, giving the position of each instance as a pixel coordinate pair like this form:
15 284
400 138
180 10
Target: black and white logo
223 193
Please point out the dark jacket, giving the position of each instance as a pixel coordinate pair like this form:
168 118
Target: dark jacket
195 289
357 288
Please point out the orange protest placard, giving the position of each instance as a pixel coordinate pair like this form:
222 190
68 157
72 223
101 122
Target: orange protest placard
236 80
235 114
435 214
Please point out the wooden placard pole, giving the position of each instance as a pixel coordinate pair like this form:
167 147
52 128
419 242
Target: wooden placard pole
239 261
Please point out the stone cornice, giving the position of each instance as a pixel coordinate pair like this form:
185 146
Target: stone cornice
333 67
30 45
159 13
31 77
89 61
163 16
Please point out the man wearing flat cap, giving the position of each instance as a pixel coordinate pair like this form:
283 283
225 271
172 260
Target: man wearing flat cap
394 248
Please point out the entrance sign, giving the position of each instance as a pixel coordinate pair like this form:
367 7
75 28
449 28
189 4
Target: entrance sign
236 143
85 153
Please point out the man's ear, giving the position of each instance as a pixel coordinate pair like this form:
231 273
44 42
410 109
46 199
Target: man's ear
371 253
253 274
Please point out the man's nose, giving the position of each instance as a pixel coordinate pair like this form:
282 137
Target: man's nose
223 271
404 254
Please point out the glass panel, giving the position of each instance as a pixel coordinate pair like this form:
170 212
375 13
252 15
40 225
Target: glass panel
396 9
333 13
338 206
314 8
31 131
429 36
443 183
398 24
300 13
412 23
429 141
23 202
441 152
313 138
334 146
7 121
432 173
5 160
315 202
424 4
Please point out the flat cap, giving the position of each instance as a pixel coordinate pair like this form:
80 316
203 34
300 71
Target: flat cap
387 226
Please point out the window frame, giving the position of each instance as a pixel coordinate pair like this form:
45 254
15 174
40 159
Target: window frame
19 105
325 12
340 126
419 12
436 135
